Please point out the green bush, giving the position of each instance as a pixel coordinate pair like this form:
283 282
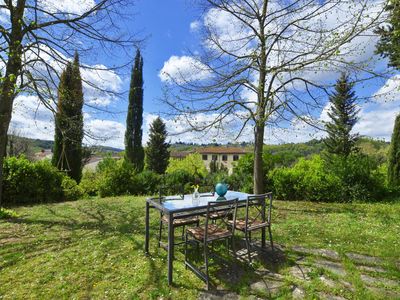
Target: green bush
106 164
355 178
242 176
179 177
90 183
7 213
193 164
148 183
28 182
284 183
71 190
116 178
360 176
307 180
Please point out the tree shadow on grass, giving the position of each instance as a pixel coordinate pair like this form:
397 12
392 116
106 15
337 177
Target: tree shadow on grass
234 273
69 231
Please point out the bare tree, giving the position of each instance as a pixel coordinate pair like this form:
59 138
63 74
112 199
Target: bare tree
18 145
268 62
39 37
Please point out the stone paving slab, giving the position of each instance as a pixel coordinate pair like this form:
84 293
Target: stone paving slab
325 296
362 259
330 254
298 293
270 287
270 275
327 281
334 267
300 272
389 294
369 280
347 285
217 295
372 269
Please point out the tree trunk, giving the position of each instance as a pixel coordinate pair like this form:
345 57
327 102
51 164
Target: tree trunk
259 128
8 87
258 159
5 118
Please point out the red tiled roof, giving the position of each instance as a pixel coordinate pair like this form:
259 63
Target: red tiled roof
180 154
222 150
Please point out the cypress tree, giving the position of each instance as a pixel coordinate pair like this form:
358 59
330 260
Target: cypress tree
394 156
134 152
343 117
67 152
157 153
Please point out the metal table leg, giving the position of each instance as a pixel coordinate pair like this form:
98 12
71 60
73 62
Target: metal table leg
147 221
170 246
263 229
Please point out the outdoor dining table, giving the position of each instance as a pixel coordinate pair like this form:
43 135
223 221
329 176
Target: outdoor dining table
174 208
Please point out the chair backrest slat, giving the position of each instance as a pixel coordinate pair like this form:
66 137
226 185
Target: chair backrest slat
227 209
258 203
206 190
169 190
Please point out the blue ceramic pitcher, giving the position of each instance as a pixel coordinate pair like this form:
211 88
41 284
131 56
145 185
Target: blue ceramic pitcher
221 189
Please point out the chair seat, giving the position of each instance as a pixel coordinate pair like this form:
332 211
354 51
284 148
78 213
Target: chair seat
181 221
252 225
219 215
214 233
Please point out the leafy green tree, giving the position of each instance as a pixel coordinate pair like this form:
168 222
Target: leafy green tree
134 152
157 153
67 152
394 155
343 117
192 164
389 44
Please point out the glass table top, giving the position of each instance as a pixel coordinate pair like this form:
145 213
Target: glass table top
172 203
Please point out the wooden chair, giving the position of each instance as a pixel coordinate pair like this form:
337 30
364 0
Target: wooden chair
255 218
211 233
179 221
176 192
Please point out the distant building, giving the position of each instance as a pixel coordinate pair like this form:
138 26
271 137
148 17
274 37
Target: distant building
221 156
44 154
180 154
95 160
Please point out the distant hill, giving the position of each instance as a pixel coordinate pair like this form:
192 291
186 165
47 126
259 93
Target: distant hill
37 145
291 151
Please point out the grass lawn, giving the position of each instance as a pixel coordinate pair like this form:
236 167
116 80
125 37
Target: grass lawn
94 249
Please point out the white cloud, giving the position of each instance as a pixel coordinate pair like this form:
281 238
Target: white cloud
4 15
32 119
194 26
100 85
183 69
390 91
105 132
377 123
67 6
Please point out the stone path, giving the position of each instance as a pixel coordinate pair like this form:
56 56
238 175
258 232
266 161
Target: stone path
323 269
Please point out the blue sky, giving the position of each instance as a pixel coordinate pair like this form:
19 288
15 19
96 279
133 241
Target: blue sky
168 25
167 28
